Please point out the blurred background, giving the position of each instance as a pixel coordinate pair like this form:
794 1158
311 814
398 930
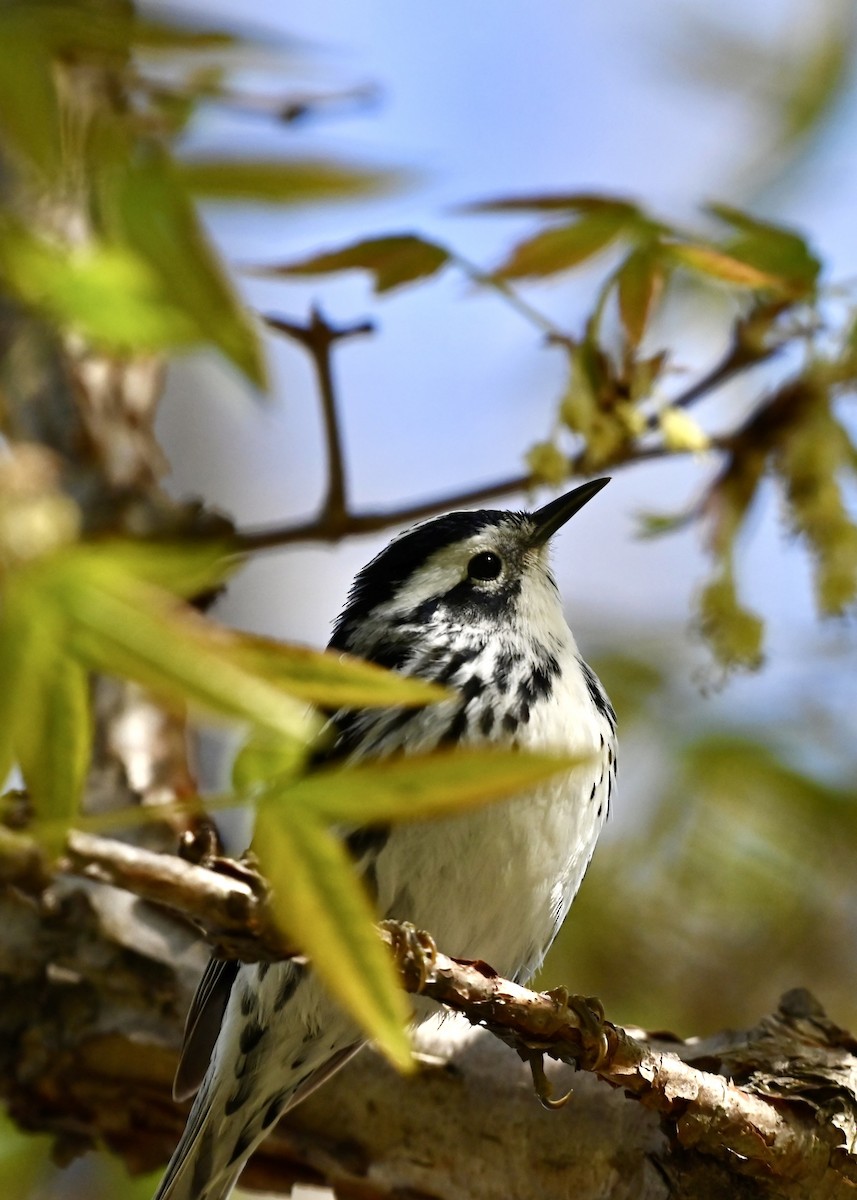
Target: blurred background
726 872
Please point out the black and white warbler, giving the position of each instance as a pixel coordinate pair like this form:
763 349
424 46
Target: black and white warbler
468 600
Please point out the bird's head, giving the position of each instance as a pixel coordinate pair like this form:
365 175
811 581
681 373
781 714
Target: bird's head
482 571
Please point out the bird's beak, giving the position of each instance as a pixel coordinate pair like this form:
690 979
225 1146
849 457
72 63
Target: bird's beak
554 515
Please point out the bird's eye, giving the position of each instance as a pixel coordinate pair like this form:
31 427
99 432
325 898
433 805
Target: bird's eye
484 566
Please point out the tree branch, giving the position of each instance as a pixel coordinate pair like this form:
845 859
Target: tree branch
780 1102
318 338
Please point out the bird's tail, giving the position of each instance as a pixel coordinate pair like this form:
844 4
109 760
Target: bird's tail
222 1133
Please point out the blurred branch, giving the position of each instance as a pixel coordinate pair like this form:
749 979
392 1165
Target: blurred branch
755 1103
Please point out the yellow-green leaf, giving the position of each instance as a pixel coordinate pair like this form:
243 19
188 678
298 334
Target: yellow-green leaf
108 294
705 260
280 181
266 756
53 744
640 283
776 249
138 180
393 261
321 905
21 617
184 568
121 626
332 679
420 786
562 247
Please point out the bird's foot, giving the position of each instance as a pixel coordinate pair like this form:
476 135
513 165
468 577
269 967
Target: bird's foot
535 1060
414 951
588 1013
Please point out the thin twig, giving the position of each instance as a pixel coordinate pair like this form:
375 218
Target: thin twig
318 338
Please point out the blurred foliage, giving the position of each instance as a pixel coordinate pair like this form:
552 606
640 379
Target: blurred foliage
797 82
734 852
81 119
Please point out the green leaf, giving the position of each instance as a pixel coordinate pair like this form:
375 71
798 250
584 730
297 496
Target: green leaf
280 181
107 294
122 626
393 261
186 568
715 264
29 113
21 616
332 679
266 756
640 283
773 249
139 180
54 742
321 905
562 247
33 37
420 786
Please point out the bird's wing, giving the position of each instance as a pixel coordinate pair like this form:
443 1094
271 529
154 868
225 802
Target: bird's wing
203 1025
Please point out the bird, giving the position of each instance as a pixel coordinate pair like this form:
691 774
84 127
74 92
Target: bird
468 600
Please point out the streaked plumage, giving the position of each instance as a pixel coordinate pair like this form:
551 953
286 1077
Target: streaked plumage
493 884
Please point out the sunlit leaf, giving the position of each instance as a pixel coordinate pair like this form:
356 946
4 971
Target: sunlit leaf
138 181
29 113
107 294
640 283
54 743
562 247
771 248
332 679
186 568
416 787
393 261
20 617
322 906
122 626
715 264
266 756
280 181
